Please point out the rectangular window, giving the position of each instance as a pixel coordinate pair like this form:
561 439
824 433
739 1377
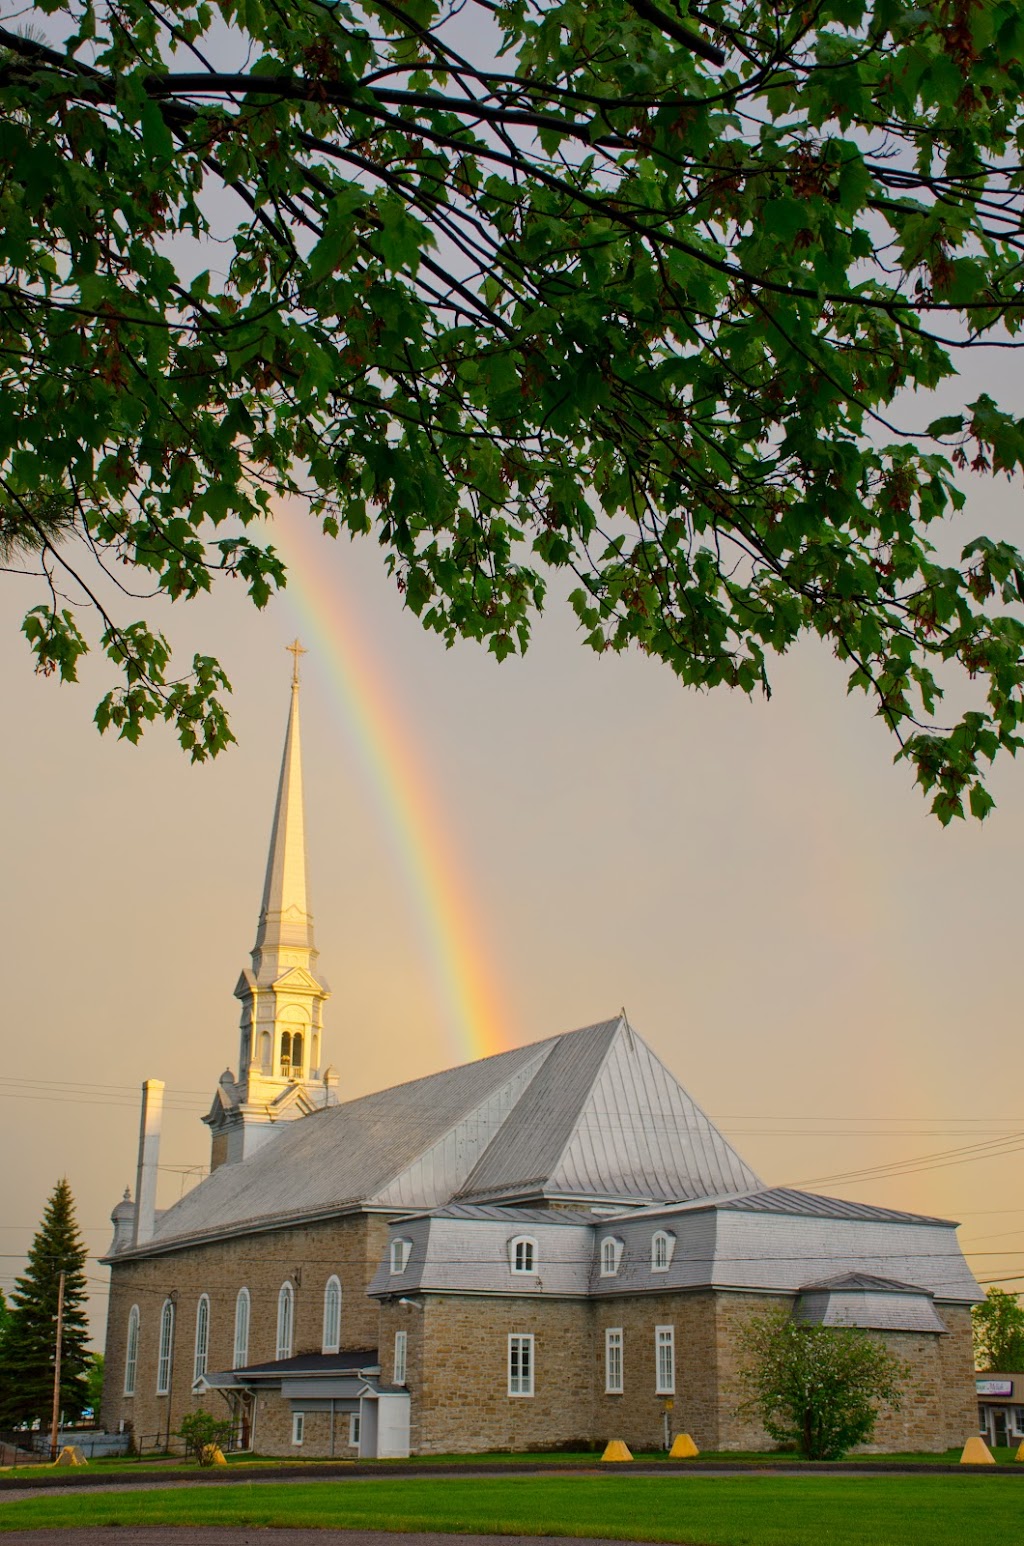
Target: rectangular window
353 1428
665 1355
520 1366
613 1361
298 1427
401 1343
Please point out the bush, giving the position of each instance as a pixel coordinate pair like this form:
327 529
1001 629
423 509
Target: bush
201 1431
818 1386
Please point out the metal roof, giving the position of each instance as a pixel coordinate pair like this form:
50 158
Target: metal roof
786 1199
591 1114
866 1281
608 1121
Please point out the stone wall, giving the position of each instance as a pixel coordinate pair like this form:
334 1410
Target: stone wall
306 1255
939 1407
457 1354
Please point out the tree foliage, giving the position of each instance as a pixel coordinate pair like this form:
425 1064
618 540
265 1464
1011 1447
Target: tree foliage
28 1348
611 293
202 1433
818 1386
998 1326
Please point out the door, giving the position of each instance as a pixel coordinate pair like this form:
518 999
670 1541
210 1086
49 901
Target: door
368 1428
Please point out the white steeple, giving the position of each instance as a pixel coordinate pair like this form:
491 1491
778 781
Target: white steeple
282 998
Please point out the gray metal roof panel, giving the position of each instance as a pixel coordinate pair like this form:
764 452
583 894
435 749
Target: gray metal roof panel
608 1120
341 1155
786 1199
530 1145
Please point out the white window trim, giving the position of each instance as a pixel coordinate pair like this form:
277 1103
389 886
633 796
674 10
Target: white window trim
240 1344
298 1427
670 1249
331 1343
131 1351
165 1349
401 1358
523 1340
664 1337
400 1250
354 1420
616 1253
285 1320
513 1251
613 1343
201 1354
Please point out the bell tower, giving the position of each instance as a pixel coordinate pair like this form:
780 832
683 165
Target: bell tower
280 1057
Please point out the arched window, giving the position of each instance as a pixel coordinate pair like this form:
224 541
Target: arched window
297 1055
202 1337
332 1316
265 1052
241 1357
662 1247
611 1255
165 1354
285 1316
523 1254
131 1353
286 1054
400 1254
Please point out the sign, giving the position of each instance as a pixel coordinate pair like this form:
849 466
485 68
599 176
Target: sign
994 1387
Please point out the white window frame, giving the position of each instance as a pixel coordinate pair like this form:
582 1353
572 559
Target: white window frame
523 1248
240 1346
399 1255
664 1360
354 1428
611 1256
298 1427
131 1351
401 1359
165 1355
663 1247
285 1320
202 1348
520 1381
614 1362
332 1314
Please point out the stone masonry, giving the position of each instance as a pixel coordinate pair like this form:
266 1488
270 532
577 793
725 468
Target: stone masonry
307 1255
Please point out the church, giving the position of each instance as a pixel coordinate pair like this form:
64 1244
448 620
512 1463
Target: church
542 1249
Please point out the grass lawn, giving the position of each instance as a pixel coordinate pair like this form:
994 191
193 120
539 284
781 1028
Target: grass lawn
705 1511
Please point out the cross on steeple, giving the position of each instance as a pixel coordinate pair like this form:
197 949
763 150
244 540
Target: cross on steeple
295 650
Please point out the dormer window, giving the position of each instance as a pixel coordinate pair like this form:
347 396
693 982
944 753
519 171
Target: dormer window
611 1256
523 1255
663 1246
399 1255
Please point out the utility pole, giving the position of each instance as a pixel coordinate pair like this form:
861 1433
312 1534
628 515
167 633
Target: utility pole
55 1424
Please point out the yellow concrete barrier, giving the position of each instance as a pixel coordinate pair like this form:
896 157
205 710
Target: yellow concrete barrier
70 1455
683 1448
977 1452
616 1449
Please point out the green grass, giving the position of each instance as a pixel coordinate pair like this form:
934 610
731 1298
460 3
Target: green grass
727 1511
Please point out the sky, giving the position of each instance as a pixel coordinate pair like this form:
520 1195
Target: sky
499 853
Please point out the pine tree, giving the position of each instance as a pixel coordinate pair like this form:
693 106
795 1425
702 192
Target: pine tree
27 1350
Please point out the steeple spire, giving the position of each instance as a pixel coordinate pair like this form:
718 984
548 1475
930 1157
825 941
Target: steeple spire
286 924
280 1065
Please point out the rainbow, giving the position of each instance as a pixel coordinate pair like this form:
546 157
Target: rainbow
393 767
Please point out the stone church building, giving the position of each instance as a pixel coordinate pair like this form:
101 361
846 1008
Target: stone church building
548 1247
